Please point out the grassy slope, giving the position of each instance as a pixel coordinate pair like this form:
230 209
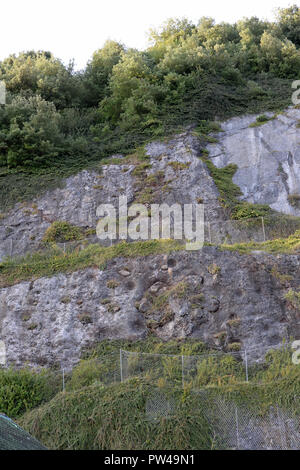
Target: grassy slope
114 417
96 416
13 270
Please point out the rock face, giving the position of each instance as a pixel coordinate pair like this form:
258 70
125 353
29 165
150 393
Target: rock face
267 156
23 228
223 298
268 160
220 297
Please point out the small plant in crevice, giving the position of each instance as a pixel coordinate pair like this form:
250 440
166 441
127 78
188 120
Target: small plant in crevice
62 231
230 192
294 200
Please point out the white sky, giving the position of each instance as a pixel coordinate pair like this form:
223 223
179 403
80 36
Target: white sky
76 28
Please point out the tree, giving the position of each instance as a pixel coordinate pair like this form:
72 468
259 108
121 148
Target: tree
40 73
98 72
289 23
251 31
30 132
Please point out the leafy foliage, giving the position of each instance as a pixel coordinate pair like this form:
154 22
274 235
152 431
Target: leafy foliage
22 390
62 231
58 121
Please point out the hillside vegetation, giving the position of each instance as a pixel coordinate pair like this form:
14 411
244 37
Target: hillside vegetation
96 413
58 121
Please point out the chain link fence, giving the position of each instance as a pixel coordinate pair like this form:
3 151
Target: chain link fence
256 229
240 427
218 383
12 437
196 371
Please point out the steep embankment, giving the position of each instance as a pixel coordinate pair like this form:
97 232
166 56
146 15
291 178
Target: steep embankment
60 304
223 298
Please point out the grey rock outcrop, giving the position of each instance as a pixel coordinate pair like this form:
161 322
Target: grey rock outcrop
22 229
267 156
268 160
217 296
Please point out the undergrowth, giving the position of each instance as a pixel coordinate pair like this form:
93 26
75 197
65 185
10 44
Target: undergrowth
54 260
92 415
290 244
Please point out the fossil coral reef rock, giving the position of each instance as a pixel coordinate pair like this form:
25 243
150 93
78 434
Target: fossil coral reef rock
220 297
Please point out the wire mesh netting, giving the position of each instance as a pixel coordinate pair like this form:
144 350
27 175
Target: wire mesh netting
159 405
12 437
197 371
258 229
225 231
234 424
230 393
241 427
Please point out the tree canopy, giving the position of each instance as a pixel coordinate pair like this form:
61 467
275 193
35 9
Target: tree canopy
53 111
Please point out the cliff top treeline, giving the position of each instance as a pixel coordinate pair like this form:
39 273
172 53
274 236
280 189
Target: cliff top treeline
58 119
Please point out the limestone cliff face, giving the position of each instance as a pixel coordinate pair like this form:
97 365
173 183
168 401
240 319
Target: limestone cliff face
267 156
23 228
218 297
268 160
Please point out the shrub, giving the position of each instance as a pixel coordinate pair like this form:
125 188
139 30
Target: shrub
61 231
112 284
234 347
262 118
293 298
24 389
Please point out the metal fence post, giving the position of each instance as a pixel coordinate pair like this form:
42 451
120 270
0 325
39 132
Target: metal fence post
246 365
121 366
263 228
209 232
182 370
63 379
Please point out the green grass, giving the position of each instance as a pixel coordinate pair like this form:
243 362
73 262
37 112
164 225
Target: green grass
261 120
53 261
290 245
92 415
114 417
